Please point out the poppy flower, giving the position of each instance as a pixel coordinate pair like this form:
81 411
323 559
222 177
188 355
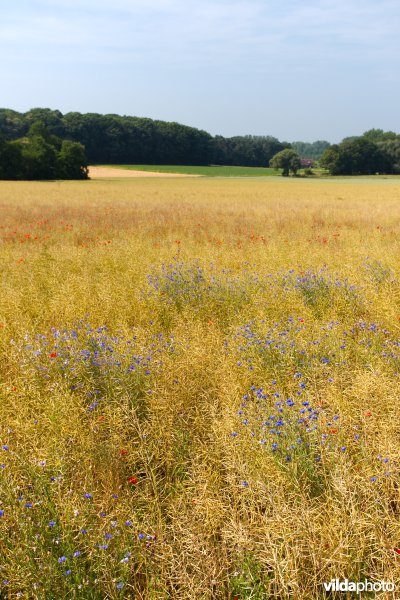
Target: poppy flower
397 550
53 354
123 452
368 413
133 480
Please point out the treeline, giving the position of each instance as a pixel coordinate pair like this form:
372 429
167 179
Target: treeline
114 139
376 151
41 155
310 150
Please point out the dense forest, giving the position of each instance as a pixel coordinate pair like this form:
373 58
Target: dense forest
376 151
114 139
45 144
42 155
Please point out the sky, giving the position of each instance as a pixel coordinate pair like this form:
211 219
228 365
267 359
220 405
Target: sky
298 70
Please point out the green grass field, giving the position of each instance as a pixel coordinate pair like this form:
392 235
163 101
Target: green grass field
212 171
199 388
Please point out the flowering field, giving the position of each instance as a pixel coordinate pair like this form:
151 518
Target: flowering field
199 388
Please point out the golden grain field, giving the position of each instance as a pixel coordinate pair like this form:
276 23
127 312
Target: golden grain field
199 393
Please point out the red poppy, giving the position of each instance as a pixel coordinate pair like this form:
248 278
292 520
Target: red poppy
53 354
133 480
397 550
368 413
123 452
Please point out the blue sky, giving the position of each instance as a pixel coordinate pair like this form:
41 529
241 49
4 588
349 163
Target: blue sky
298 70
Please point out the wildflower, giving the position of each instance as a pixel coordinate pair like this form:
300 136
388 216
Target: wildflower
76 554
245 484
1 513
5 447
123 452
52 523
53 354
67 572
374 478
88 496
128 523
368 413
62 559
397 550
108 536
133 480
343 449
28 505
120 585
141 536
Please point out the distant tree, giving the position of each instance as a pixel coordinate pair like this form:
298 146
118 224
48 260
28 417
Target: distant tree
42 155
71 161
287 160
312 150
39 158
391 150
10 160
357 156
378 135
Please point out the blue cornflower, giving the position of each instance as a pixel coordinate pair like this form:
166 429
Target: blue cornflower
76 554
83 530
245 484
103 546
233 434
28 505
52 523
1 513
108 536
62 559
88 495
120 585
128 523
141 536
5 447
373 478
343 449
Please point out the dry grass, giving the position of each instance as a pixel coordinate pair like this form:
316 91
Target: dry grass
210 290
